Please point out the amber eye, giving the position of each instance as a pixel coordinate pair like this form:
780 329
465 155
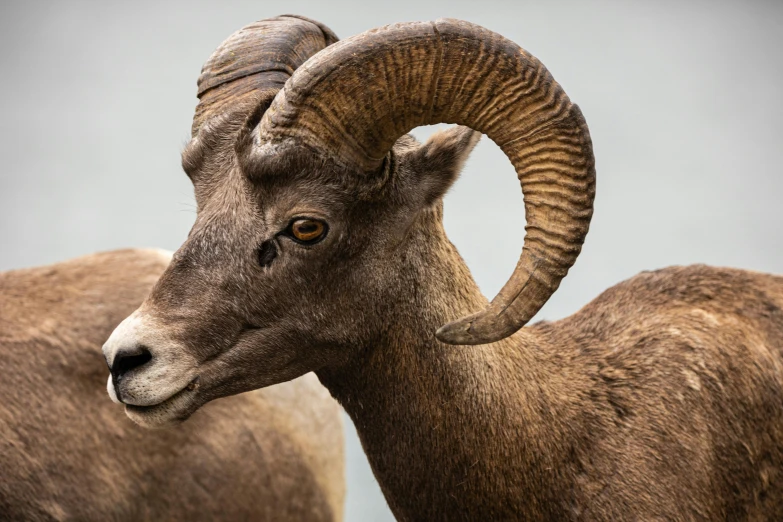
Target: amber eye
307 230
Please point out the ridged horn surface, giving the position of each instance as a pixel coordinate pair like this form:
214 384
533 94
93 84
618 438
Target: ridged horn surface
258 58
356 98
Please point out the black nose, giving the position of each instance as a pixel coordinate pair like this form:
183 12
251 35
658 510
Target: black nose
127 360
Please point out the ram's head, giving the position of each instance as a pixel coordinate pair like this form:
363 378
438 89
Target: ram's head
319 232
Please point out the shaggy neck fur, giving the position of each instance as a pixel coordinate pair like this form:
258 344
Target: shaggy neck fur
435 420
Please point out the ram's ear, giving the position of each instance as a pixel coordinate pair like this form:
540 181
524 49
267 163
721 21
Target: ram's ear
436 164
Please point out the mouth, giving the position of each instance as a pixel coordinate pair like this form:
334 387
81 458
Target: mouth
210 383
170 412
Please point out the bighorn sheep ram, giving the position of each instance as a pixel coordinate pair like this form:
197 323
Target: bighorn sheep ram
66 453
319 246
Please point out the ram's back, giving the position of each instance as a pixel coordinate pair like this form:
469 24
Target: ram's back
684 371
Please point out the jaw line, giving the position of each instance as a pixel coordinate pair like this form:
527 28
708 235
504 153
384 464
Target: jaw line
176 408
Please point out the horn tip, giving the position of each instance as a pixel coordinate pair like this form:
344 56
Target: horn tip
455 332
480 328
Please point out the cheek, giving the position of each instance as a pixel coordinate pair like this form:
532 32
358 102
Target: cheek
314 313
327 293
260 358
357 308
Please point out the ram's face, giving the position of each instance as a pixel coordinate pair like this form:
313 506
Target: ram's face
277 278
283 273
317 220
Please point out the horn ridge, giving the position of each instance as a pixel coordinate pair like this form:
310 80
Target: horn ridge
257 58
344 104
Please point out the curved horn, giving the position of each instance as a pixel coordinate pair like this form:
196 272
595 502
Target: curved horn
259 57
356 98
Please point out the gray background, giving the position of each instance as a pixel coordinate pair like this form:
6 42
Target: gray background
683 101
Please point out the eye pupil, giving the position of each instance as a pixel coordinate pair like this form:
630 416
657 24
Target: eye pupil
308 230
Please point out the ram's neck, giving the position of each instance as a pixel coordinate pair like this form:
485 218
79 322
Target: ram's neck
441 423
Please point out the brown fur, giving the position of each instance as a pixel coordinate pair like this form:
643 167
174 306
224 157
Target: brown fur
66 453
660 400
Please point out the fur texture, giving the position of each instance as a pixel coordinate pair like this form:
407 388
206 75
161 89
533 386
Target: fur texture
660 400
66 453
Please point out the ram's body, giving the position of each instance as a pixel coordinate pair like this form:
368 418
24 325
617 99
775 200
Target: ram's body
319 246
660 400
66 453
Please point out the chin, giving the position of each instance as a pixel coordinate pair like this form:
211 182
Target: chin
167 414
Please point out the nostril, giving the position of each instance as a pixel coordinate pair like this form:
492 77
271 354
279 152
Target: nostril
128 360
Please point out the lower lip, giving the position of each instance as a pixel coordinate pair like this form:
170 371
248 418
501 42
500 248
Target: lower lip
191 387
